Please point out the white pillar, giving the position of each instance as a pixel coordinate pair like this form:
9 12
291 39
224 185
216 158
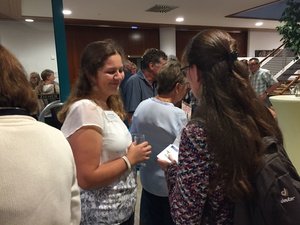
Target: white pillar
167 38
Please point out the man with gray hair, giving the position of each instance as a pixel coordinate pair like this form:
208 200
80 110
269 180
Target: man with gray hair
142 85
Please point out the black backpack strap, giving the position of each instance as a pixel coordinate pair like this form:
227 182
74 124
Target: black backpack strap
268 141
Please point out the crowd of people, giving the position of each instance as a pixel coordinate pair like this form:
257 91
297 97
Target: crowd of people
45 87
86 173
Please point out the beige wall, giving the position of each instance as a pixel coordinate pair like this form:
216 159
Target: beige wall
287 109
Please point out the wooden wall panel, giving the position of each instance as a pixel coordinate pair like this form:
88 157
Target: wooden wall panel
242 42
182 39
134 42
184 36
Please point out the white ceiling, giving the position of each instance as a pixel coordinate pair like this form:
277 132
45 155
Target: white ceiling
195 12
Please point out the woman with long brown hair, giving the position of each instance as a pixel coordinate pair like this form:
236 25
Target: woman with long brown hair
101 143
221 147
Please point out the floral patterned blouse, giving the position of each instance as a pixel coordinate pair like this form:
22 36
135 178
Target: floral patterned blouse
191 201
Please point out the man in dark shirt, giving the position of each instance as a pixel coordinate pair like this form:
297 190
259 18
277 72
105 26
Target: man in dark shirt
142 85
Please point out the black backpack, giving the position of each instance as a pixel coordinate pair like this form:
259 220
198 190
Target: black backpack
277 197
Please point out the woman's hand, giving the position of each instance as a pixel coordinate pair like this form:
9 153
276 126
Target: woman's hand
138 152
164 164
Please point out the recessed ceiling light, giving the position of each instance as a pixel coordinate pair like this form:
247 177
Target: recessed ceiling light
258 24
67 12
179 19
29 20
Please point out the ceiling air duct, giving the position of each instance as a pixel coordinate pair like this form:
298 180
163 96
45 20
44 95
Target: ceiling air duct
161 8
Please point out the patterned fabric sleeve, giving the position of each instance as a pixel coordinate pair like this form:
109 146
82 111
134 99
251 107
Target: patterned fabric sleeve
188 181
191 201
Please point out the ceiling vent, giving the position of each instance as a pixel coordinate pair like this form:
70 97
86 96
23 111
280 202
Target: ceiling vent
161 8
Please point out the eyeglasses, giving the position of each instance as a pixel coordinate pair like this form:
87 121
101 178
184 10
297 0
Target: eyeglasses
184 70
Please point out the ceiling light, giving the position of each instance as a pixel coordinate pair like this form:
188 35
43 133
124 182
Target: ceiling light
134 27
67 12
29 20
258 24
179 19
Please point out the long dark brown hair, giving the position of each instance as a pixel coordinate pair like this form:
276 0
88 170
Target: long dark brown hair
93 58
235 119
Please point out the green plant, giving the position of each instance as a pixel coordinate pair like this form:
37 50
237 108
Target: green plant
290 28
